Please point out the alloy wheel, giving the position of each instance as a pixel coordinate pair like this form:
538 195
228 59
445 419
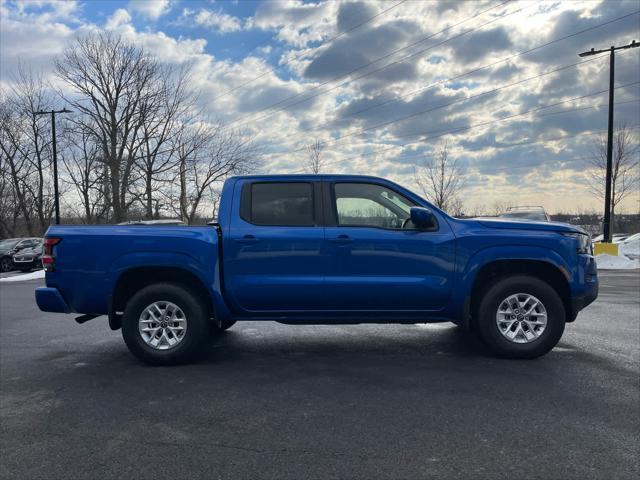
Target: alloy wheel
162 325
521 318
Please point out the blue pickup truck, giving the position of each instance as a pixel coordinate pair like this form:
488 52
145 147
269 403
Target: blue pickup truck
321 249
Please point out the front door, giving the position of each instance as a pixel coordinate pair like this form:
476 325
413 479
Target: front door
272 255
377 260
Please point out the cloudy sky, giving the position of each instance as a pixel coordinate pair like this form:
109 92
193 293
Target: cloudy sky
381 84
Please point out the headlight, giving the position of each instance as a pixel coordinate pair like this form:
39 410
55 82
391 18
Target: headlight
584 242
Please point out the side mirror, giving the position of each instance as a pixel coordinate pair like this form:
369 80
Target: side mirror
423 218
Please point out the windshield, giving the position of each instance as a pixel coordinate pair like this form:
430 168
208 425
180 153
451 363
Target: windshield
398 201
527 215
8 243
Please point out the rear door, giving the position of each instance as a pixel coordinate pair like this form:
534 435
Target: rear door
377 260
273 259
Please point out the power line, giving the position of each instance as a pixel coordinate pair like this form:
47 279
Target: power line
534 142
606 223
292 97
564 137
555 139
437 107
298 57
554 160
508 117
415 54
527 165
336 139
442 133
545 140
492 64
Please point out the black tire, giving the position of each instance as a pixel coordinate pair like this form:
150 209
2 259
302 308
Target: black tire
226 324
218 327
493 297
6 265
195 336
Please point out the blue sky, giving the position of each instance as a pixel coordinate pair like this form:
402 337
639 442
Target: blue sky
363 93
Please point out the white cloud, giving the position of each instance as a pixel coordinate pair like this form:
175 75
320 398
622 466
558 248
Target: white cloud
215 20
152 9
221 22
43 10
117 19
296 22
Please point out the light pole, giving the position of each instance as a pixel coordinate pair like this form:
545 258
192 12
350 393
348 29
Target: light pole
56 200
606 224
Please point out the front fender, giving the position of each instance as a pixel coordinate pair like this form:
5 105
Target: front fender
481 258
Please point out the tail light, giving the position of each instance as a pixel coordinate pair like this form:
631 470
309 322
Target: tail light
48 260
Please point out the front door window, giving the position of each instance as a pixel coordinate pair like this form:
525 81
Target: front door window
369 205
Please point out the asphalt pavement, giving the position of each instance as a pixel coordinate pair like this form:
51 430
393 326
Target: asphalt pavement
297 402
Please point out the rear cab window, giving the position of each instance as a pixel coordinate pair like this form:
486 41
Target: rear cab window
278 204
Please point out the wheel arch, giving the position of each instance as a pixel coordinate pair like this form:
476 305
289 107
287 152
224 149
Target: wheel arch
546 271
134 279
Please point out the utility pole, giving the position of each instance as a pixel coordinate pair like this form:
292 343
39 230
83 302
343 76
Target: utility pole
56 200
606 224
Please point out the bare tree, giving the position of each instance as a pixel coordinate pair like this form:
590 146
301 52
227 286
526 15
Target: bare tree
163 115
456 207
207 154
625 174
113 80
85 173
501 206
440 178
9 210
25 142
315 162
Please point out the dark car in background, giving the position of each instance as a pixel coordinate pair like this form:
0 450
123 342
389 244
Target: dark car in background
28 259
10 246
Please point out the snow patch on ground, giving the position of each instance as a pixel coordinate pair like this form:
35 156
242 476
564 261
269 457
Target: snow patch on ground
611 262
434 326
630 247
24 277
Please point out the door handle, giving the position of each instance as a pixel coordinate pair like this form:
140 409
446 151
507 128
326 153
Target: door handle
247 239
341 239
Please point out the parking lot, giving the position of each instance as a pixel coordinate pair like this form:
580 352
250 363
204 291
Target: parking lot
275 401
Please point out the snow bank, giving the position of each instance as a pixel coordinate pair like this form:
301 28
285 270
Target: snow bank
611 262
630 247
24 277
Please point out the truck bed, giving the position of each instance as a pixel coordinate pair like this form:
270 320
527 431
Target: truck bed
90 259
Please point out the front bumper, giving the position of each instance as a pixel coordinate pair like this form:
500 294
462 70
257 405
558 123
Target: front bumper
582 301
50 300
32 263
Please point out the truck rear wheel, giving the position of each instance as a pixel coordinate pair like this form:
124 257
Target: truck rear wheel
226 324
219 326
521 317
164 324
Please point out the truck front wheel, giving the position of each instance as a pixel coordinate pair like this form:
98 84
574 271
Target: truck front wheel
164 324
521 317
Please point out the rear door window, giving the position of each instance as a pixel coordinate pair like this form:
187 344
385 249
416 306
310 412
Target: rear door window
281 204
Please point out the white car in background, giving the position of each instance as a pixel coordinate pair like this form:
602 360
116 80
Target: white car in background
527 212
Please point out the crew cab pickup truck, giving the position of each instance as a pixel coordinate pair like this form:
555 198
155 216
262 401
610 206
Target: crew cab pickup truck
321 249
